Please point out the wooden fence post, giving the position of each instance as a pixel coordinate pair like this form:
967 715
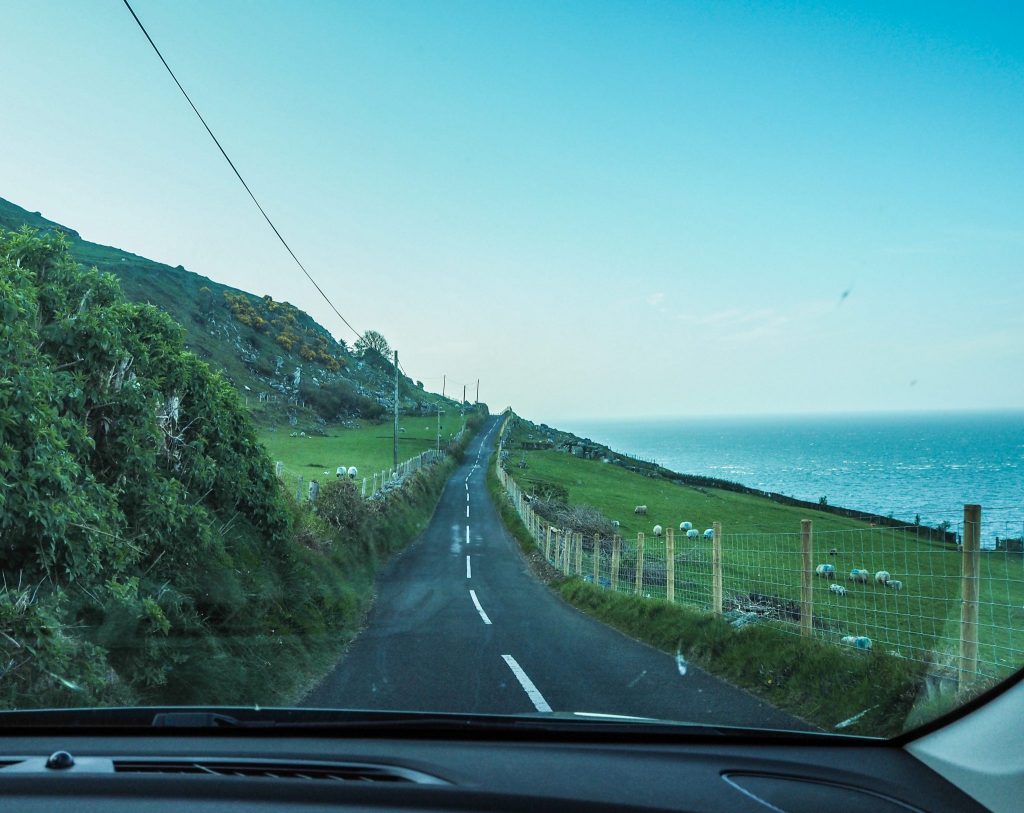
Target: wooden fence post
716 568
670 565
566 551
579 554
639 563
616 557
969 607
547 544
807 577
597 560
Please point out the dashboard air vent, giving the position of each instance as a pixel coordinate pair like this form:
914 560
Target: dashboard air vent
336 772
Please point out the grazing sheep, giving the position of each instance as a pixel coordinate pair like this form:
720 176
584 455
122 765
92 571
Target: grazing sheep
882 576
859 575
693 533
826 571
857 641
340 471
352 472
833 552
895 584
685 526
615 523
657 530
709 533
640 510
838 589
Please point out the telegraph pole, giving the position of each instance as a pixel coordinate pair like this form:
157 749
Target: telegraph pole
444 380
477 391
438 428
463 398
395 444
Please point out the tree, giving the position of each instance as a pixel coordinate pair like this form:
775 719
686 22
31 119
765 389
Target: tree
373 341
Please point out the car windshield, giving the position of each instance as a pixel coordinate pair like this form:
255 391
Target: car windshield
595 365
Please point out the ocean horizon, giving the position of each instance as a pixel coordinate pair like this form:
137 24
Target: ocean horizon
904 465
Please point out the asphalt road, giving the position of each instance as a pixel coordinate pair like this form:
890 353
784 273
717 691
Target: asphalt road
460 624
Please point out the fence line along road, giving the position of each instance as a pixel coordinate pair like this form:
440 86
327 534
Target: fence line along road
957 608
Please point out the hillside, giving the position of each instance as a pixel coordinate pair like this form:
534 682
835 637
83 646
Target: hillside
257 343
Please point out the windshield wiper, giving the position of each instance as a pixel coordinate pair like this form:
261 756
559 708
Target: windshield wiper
354 723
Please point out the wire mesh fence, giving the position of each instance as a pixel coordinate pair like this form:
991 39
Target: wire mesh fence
938 597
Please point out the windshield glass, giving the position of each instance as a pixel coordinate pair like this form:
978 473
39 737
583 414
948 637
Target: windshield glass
592 361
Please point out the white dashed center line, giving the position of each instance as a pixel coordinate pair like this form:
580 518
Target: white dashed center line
467 534
531 691
469 568
483 615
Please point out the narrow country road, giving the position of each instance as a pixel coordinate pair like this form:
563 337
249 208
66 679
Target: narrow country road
461 625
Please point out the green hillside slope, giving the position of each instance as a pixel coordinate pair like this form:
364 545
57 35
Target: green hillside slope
256 342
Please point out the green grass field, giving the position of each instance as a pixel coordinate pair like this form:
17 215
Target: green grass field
761 554
367 446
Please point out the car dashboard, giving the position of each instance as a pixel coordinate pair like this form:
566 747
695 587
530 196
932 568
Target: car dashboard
252 770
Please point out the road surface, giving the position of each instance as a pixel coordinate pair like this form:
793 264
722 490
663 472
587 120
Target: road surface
460 624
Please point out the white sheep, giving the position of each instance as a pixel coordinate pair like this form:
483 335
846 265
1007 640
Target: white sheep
859 575
895 584
657 530
352 472
826 571
685 526
857 641
693 533
881 577
640 510
341 471
838 589
616 523
709 533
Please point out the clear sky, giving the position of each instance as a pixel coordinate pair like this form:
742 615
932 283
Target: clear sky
599 209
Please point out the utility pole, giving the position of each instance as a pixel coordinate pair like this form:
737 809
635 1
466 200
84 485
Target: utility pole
477 391
395 444
444 381
438 428
463 398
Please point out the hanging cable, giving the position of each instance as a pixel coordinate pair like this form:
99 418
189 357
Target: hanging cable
237 173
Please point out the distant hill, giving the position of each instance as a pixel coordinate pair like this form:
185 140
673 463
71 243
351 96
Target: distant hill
258 343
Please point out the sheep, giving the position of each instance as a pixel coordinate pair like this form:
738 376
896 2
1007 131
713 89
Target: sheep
693 533
838 589
857 641
895 584
826 571
640 510
352 472
616 523
833 552
340 471
709 533
859 575
881 577
685 526
657 530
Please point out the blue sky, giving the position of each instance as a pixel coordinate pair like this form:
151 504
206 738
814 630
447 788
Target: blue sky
600 209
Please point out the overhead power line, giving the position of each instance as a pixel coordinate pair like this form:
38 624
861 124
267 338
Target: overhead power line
234 169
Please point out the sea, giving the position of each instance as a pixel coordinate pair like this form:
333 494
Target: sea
899 465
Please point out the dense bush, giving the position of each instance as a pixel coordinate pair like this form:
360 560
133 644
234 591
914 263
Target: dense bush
333 399
137 507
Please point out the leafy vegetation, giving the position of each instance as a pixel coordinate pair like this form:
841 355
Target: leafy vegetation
150 554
